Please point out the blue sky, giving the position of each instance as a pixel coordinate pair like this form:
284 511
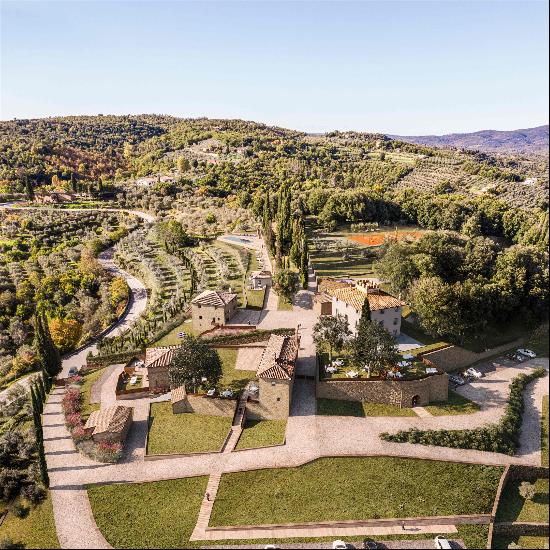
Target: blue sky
395 67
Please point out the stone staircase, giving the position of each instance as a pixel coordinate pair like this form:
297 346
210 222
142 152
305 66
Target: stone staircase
206 507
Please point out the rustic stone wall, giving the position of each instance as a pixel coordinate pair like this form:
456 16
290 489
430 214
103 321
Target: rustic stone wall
211 406
273 402
455 357
394 392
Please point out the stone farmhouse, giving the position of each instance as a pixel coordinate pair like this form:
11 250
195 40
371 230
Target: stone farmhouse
275 373
347 300
211 309
110 424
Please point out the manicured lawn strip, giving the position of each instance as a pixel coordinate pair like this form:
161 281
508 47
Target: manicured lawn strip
36 530
350 488
474 536
336 407
283 304
172 338
255 299
503 542
160 514
544 432
457 404
513 507
184 433
232 377
86 391
262 433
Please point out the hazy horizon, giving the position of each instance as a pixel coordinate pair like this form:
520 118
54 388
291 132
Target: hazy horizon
400 68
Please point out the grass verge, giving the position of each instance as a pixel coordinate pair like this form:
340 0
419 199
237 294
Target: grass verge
232 377
184 433
161 514
35 530
351 488
457 404
337 407
522 542
513 507
262 433
86 391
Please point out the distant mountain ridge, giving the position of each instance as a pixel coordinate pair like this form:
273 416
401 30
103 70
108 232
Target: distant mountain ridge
527 141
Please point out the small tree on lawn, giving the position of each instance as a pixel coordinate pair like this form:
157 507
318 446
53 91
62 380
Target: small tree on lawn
285 283
194 361
527 490
331 332
373 346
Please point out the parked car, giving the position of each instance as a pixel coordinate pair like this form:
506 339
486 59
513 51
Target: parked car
370 545
519 358
226 393
73 371
456 379
473 373
442 542
339 545
527 352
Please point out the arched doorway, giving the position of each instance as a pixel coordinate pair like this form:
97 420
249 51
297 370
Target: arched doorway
415 400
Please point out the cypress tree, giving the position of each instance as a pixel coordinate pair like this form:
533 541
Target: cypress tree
44 345
41 390
304 264
47 380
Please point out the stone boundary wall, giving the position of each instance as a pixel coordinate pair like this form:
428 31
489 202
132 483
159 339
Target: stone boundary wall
202 404
455 357
394 392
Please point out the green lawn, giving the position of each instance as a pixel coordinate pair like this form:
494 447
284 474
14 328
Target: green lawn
502 542
544 432
513 507
86 390
255 299
262 433
36 530
184 433
336 407
457 404
161 514
354 488
233 378
283 304
172 338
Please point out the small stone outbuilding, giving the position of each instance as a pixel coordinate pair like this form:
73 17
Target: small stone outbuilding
322 304
211 309
157 363
260 280
110 424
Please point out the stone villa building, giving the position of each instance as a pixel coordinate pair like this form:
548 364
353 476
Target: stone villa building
211 309
347 300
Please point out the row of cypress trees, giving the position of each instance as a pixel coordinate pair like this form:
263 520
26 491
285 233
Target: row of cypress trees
39 390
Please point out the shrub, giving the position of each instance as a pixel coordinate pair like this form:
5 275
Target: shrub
502 437
108 451
34 493
79 434
76 380
73 420
7 542
71 402
19 510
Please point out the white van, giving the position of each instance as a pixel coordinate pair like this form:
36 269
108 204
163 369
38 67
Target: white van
442 542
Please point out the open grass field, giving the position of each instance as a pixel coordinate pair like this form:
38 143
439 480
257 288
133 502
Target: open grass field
35 530
262 433
513 507
161 514
184 433
354 488
544 432
336 407
457 404
172 338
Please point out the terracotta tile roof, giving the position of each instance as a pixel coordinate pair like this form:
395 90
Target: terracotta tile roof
112 419
355 298
322 298
278 358
213 298
327 283
178 394
159 357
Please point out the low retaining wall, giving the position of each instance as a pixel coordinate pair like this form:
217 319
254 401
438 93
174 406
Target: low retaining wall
394 392
455 357
201 404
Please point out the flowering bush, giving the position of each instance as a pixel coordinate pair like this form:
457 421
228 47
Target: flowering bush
73 420
75 380
107 451
79 434
72 401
